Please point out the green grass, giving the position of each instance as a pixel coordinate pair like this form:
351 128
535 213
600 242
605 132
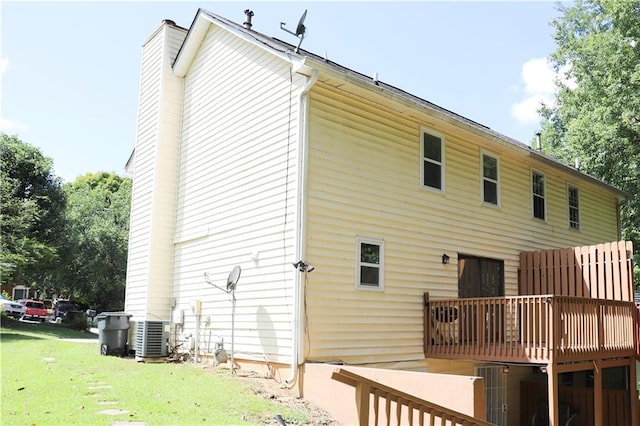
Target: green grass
49 381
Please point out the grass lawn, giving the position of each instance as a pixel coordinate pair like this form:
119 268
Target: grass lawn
47 380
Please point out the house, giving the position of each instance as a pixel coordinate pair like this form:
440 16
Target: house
370 227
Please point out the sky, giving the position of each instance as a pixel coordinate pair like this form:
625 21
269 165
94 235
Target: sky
70 71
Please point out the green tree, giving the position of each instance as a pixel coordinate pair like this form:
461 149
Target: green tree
94 258
596 118
31 213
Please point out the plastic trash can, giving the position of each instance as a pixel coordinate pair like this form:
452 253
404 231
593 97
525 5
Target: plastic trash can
113 331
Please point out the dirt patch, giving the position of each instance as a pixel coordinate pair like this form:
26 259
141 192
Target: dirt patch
272 390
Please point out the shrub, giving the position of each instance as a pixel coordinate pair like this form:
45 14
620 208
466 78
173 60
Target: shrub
76 320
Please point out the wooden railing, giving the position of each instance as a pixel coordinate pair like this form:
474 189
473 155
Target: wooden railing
531 329
391 406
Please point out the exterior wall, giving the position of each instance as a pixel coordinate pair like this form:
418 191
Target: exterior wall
364 179
464 394
236 197
153 194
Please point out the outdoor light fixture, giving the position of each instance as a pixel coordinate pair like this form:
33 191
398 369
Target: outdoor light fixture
505 369
303 266
445 259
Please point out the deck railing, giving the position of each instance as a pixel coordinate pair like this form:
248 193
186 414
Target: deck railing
533 329
391 406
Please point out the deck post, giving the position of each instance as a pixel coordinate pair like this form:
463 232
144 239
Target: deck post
362 402
633 392
554 412
597 394
427 321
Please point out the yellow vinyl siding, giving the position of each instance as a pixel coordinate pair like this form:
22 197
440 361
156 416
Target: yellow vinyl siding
364 179
153 193
236 195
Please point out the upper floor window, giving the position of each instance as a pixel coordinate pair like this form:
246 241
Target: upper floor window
432 161
538 193
574 207
370 263
490 182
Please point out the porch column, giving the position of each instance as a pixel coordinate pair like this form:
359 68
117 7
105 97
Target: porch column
554 413
597 394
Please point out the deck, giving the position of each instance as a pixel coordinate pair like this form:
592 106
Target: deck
542 329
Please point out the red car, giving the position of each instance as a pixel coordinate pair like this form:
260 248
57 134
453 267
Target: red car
34 309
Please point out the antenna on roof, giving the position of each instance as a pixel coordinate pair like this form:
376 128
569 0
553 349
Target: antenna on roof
300 29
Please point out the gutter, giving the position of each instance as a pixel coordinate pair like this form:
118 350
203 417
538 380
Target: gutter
302 156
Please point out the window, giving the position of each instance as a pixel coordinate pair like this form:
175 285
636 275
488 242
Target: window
574 207
370 263
432 161
490 184
539 203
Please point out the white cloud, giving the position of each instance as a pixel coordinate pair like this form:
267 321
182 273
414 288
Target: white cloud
6 125
526 111
538 78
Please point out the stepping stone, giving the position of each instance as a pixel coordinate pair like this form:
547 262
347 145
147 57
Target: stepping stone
100 387
113 412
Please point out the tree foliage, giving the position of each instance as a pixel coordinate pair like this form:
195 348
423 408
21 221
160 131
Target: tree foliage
94 259
596 118
31 212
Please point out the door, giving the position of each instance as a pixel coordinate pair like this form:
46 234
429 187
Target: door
495 388
481 277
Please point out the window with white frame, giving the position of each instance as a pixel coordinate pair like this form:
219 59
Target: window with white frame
538 195
574 207
370 263
432 169
490 179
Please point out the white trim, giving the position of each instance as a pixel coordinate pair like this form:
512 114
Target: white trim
569 187
442 162
373 241
484 153
544 188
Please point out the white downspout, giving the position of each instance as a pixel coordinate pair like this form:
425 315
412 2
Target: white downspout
300 228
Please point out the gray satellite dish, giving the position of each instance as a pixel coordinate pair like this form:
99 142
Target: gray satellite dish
300 29
233 278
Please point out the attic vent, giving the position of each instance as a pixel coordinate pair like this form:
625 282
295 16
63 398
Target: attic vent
247 20
151 339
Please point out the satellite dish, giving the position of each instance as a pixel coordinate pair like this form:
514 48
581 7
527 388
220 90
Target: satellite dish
300 29
233 278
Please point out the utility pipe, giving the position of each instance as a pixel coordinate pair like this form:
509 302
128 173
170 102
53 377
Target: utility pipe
302 154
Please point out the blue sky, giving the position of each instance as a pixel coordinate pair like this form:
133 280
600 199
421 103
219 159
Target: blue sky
70 70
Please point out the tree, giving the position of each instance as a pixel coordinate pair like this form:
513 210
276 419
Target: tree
31 208
596 118
94 260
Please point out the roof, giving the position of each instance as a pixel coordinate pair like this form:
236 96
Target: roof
198 29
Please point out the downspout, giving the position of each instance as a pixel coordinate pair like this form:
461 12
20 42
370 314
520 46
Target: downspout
303 142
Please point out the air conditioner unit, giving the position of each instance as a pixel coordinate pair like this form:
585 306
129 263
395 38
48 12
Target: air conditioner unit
152 338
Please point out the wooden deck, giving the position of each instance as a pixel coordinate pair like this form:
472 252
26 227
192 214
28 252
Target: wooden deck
541 329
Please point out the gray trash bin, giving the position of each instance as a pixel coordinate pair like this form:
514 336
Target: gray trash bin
113 331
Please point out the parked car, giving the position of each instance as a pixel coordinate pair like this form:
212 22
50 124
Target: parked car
34 309
62 307
11 308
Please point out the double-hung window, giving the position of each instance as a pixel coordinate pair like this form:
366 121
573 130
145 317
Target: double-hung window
574 207
432 161
538 195
370 263
490 179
